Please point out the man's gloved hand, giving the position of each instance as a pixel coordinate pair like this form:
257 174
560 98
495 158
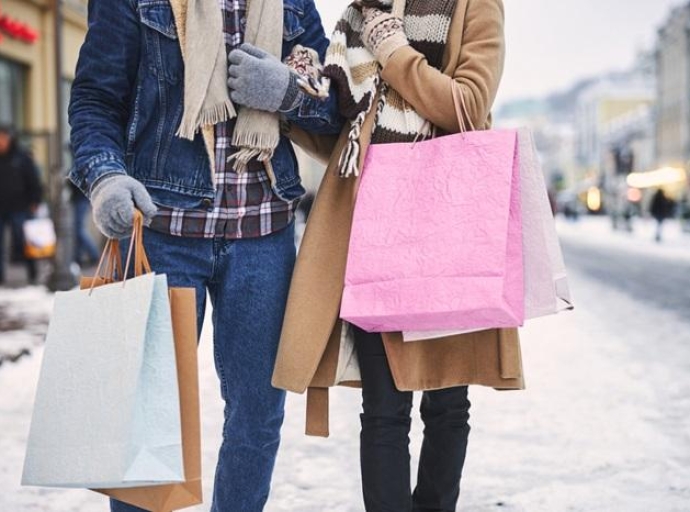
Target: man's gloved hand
382 33
259 80
114 198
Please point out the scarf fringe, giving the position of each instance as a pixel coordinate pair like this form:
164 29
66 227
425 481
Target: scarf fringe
257 140
251 146
242 157
210 117
348 163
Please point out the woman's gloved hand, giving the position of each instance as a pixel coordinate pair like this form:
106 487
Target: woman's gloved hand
382 33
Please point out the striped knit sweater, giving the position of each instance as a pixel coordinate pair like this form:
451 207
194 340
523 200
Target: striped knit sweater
356 73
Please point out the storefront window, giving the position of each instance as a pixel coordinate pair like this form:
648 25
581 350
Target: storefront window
12 93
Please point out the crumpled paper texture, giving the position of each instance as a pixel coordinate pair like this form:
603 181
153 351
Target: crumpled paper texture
436 239
546 285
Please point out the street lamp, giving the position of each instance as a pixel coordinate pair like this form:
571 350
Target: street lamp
62 276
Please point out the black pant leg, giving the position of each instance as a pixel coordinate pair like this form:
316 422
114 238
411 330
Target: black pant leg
384 442
446 430
3 249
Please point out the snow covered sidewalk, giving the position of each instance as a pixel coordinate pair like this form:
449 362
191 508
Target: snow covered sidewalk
24 314
603 426
596 230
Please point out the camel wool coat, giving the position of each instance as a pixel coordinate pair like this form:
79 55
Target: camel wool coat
310 345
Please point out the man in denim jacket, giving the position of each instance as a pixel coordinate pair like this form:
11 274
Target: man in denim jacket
222 232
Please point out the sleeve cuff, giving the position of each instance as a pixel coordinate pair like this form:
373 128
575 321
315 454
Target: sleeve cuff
389 47
293 95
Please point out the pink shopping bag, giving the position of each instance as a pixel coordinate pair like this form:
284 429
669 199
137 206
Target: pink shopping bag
436 238
546 284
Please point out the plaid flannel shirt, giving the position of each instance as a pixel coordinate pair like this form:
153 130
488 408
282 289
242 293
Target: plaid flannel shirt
245 205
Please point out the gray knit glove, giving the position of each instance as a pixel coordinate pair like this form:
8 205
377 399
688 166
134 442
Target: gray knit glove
259 80
114 198
382 33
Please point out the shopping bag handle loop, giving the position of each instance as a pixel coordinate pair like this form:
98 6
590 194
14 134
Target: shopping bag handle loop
110 264
460 111
113 265
136 247
461 108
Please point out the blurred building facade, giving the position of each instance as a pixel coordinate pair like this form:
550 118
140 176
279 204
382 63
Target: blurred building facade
553 136
611 112
582 132
673 88
673 111
619 136
27 68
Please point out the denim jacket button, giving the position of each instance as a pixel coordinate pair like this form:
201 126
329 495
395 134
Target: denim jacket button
206 203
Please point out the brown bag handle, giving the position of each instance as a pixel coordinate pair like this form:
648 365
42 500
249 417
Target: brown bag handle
110 265
141 260
113 264
136 246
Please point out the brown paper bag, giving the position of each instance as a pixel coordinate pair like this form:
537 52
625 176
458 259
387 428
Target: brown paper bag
165 498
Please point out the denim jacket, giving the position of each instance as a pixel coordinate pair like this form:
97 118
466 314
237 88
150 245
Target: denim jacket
127 101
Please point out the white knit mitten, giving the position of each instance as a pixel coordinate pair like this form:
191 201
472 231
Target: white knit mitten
382 33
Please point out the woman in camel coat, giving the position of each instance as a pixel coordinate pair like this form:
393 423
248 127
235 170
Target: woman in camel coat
316 350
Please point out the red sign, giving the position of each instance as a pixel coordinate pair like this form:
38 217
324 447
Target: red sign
15 29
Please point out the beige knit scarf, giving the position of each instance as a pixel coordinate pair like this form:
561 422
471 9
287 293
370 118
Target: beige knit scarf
206 97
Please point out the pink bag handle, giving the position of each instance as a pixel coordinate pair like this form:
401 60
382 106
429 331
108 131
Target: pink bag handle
460 107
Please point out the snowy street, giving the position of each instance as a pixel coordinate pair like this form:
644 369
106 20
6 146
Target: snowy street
603 426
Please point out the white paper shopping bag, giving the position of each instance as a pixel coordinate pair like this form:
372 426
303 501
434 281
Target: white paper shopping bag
546 284
39 238
107 411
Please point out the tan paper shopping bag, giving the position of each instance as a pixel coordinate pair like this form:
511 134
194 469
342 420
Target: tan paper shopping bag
165 498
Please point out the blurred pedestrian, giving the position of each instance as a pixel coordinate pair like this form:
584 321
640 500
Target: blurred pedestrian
85 250
20 196
684 212
661 208
393 74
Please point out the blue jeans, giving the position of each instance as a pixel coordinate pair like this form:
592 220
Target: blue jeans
85 249
247 281
16 222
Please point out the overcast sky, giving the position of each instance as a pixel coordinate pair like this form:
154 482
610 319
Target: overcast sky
551 43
